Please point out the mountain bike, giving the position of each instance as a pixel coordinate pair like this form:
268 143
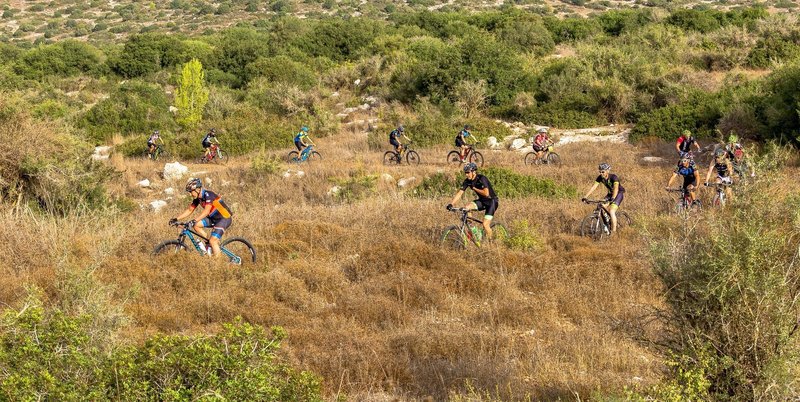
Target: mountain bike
720 196
549 158
392 157
238 250
597 225
684 204
157 153
214 155
470 230
308 154
454 157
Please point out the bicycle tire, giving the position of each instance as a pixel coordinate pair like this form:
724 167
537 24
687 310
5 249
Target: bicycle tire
222 158
623 220
530 158
476 158
454 158
293 157
592 227
412 157
452 238
314 157
390 158
553 159
164 247
241 248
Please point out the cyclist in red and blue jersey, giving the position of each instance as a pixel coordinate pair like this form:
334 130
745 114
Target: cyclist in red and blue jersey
216 214
208 140
615 192
487 200
691 176
685 143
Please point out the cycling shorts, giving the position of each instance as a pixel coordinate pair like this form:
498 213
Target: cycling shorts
459 142
689 181
539 148
489 206
618 200
218 223
299 145
206 145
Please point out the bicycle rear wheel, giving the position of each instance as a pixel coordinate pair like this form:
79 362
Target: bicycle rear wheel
476 158
239 251
169 247
390 158
453 238
530 158
293 157
454 158
412 157
623 220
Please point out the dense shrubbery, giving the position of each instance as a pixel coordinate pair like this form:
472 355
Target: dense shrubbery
506 183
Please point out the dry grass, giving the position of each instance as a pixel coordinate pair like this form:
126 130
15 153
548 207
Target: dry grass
370 300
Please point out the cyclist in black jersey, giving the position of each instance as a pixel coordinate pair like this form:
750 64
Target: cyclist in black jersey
722 165
487 200
394 138
210 138
615 192
215 214
685 143
691 176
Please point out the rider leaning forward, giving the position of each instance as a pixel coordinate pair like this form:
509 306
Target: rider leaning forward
215 214
487 200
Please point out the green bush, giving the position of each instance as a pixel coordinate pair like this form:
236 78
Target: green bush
357 186
282 69
147 53
237 48
505 182
523 237
65 58
526 34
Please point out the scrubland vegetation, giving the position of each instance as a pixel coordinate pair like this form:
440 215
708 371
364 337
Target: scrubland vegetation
361 301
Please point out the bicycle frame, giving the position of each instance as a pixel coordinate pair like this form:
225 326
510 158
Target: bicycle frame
304 154
465 222
193 237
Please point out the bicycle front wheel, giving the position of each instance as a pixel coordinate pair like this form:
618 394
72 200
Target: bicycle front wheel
169 247
623 220
454 158
453 238
476 158
412 157
592 226
239 251
553 159
390 158
314 157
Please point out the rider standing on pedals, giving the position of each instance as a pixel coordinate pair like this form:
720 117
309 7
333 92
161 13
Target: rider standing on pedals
724 169
151 142
540 142
300 140
210 138
615 192
461 141
691 176
394 138
215 213
487 200
685 143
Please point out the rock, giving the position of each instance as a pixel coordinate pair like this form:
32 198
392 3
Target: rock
387 178
364 106
157 205
517 144
169 191
653 159
293 173
371 100
173 109
175 171
492 143
405 181
101 153
334 190
144 183
357 82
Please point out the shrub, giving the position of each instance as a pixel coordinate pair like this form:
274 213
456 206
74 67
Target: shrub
523 237
239 47
526 34
357 186
147 53
65 58
282 69
505 182
264 163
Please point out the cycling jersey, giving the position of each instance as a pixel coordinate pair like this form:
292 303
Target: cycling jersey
481 182
301 137
722 168
218 206
685 144
461 138
207 140
153 138
609 183
540 139
688 173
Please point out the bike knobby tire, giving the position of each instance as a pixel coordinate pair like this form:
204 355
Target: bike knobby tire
390 158
241 248
293 157
553 159
452 238
169 247
592 226
412 157
314 157
530 158
476 158
454 158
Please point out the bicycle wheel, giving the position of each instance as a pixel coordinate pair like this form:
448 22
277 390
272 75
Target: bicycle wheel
453 238
553 159
476 158
454 158
390 158
623 220
222 158
530 158
314 157
592 226
412 157
239 251
169 247
293 157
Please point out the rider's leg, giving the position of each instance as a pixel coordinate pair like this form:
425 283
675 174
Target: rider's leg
216 235
198 227
612 210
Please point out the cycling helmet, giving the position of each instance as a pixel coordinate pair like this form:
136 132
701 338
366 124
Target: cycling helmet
400 128
156 132
686 133
719 152
213 131
467 127
470 167
733 138
193 184
605 166
304 129
541 130
686 158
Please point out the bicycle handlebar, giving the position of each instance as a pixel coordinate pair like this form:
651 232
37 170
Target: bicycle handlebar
718 184
595 201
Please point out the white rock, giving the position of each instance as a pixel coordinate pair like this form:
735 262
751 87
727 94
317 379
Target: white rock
334 190
144 183
405 181
653 159
101 153
175 171
173 109
387 178
293 173
517 144
371 100
169 191
364 106
357 82
157 205
335 94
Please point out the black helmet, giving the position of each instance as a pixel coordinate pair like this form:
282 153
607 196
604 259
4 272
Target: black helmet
213 130
400 128
156 132
193 184
467 127
470 167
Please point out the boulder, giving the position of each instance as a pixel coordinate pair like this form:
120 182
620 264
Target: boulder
387 178
101 153
517 144
175 171
293 173
157 205
653 159
492 143
406 181
334 190
169 191
144 183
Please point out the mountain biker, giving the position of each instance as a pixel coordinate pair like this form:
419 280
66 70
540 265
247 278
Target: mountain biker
615 192
461 141
151 142
735 152
540 142
215 214
723 166
394 138
685 142
210 138
487 200
691 176
300 140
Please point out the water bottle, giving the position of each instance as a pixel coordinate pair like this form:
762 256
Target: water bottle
475 233
202 246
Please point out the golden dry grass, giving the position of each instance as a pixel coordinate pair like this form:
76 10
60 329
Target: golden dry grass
369 298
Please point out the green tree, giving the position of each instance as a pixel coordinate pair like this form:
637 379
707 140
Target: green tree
192 95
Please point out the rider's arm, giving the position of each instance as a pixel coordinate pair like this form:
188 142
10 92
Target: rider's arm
710 169
678 145
457 197
696 177
185 213
591 190
697 145
206 211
